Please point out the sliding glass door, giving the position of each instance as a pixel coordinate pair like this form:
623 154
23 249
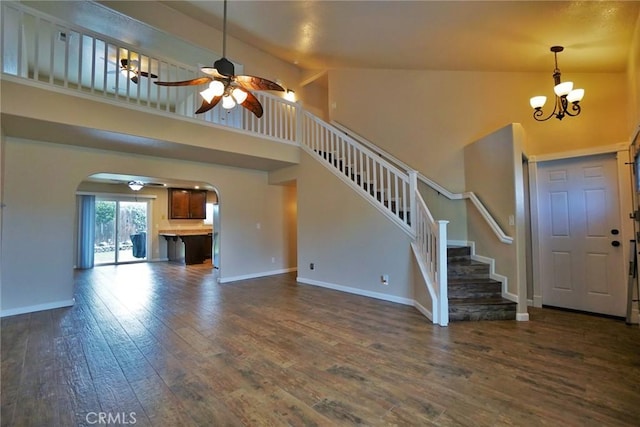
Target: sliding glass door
120 233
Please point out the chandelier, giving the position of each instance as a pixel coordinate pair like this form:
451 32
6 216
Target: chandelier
567 102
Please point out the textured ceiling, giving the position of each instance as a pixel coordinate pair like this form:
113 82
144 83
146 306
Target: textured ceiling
437 35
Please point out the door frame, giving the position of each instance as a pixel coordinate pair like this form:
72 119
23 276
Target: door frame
120 197
621 152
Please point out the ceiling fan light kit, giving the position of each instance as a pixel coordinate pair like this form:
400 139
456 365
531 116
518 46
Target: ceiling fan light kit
136 185
567 102
225 86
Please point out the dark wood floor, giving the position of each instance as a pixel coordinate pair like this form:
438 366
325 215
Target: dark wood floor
165 345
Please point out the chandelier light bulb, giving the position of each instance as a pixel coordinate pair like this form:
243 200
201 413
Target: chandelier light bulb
575 95
563 89
537 101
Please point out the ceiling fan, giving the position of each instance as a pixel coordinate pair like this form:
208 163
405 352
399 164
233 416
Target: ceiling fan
131 69
225 85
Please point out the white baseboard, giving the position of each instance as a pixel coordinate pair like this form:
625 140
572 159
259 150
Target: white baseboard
522 317
38 307
256 275
422 309
357 291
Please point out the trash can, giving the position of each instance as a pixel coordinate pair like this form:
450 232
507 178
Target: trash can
139 241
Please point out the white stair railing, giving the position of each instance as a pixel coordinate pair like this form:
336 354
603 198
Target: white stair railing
46 52
482 210
430 249
387 187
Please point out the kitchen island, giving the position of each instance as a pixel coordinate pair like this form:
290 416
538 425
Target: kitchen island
188 246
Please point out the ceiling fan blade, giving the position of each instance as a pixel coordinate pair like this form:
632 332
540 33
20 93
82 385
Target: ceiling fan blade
206 106
134 79
193 82
252 104
213 72
257 83
145 74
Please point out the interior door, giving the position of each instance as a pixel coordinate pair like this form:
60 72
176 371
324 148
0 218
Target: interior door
581 259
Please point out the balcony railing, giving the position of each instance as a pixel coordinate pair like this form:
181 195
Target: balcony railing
46 50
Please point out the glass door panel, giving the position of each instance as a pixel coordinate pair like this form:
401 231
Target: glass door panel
120 232
132 231
105 240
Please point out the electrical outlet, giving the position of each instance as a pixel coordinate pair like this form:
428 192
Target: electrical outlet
273 260
312 266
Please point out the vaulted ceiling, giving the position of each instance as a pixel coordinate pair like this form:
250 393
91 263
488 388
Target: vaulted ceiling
435 35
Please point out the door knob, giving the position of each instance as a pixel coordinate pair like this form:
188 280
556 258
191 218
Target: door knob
615 243
615 231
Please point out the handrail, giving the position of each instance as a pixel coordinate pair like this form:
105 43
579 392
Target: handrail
389 188
491 222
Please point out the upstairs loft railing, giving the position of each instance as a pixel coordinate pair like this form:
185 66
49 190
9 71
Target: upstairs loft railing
48 52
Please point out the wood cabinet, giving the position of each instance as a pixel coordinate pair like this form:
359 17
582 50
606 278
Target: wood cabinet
187 204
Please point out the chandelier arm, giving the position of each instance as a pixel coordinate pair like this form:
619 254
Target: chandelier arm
538 113
561 102
575 106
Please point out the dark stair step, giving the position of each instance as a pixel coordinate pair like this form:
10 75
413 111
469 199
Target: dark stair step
461 309
474 288
458 251
468 268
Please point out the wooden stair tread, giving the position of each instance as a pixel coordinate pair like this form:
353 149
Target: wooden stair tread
480 301
472 281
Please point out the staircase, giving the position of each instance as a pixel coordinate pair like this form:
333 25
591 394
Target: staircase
473 295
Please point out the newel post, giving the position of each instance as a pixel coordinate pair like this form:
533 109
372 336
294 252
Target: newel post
413 189
441 265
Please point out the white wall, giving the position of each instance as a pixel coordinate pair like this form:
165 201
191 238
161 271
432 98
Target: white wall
41 180
350 242
426 118
493 171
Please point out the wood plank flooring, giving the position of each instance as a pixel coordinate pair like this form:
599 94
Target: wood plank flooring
165 345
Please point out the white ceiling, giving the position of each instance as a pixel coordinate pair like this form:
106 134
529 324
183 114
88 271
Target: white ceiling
436 35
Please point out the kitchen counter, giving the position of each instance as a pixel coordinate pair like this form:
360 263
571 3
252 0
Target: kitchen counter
188 246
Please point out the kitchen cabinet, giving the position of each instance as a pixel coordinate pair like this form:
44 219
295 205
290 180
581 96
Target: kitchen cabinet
187 204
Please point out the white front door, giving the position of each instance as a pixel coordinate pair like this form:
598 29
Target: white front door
581 259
